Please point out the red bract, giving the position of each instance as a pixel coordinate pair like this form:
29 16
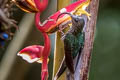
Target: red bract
46 52
51 23
29 5
26 5
37 53
32 53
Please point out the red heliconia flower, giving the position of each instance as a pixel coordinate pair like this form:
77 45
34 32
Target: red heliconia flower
51 23
38 6
37 53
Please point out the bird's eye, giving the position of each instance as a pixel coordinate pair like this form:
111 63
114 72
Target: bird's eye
76 19
26 5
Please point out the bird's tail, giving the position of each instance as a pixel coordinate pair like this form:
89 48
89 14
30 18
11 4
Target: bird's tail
60 70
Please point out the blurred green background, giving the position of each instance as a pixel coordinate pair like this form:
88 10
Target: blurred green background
105 63
106 53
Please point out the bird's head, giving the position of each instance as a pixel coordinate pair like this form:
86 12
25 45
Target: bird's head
76 20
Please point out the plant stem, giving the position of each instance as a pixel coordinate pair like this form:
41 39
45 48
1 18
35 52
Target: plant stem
84 62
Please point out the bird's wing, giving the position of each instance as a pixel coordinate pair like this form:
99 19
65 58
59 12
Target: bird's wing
68 40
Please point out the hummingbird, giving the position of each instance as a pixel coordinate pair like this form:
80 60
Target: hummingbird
73 41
